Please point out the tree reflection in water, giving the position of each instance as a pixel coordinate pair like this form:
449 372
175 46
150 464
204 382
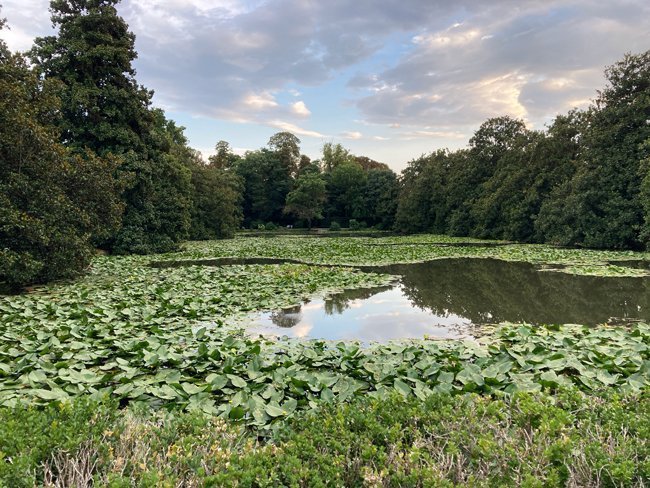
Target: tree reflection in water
445 298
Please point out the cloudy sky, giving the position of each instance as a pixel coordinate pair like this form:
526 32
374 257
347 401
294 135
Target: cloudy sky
389 79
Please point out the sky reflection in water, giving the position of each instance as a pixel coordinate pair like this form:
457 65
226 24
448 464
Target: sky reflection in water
386 315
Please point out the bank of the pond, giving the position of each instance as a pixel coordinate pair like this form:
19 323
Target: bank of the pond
533 440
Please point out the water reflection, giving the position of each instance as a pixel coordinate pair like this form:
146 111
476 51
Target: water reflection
447 298
490 290
378 314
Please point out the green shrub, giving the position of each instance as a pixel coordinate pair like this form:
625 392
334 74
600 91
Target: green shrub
335 226
270 226
354 224
526 439
30 437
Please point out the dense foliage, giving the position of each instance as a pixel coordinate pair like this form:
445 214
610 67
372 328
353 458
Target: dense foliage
86 161
53 201
105 110
282 187
568 439
583 182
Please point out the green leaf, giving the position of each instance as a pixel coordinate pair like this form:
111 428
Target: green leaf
237 381
402 388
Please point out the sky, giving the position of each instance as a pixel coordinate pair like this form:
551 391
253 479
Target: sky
388 79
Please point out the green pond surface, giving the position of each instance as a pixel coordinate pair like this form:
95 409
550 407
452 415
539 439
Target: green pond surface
451 298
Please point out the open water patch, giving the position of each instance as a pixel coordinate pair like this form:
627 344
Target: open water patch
452 298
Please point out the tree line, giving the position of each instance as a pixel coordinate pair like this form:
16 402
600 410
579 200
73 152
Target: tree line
281 186
87 163
584 181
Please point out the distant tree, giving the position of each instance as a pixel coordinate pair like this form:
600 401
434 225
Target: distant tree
306 165
216 211
266 182
382 191
224 157
307 198
368 164
422 201
346 189
287 146
52 202
334 155
645 197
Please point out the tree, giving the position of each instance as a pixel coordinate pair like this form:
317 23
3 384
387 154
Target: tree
216 200
104 110
369 164
52 201
306 165
334 155
645 197
381 197
306 200
103 107
266 182
346 189
422 202
287 147
601 205
223 158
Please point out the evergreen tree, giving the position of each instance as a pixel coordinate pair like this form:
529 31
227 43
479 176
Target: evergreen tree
105 110
52 202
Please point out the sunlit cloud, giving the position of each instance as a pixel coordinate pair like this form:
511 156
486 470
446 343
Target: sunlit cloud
299 108
289 127
424 72
352 135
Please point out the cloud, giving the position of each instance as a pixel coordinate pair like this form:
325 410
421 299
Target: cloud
429 134
530 62
260 102
289 127
351 135
413 70
299 108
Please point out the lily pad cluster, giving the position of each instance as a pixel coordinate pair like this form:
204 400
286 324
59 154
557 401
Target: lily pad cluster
357 251
169 338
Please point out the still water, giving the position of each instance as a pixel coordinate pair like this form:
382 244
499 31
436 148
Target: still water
453 297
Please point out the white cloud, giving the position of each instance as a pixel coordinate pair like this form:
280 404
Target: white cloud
453 65
261 101
351 135
289 127
531 62
299 108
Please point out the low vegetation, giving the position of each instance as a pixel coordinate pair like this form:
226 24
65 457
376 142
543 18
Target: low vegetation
533 440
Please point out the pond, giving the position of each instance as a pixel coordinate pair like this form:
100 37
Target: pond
451 298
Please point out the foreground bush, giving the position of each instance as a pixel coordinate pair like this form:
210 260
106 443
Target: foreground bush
570 439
